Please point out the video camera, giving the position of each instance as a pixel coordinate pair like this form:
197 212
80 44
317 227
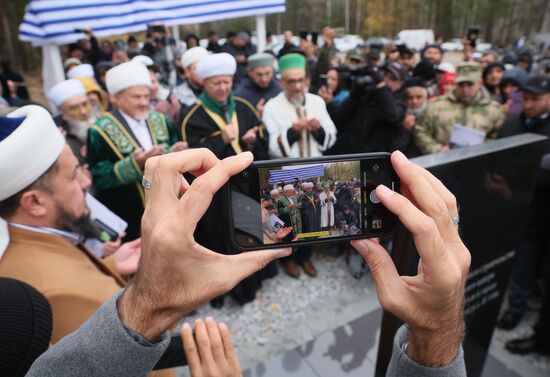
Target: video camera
362 78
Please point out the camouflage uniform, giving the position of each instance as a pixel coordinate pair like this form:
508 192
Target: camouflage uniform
434 126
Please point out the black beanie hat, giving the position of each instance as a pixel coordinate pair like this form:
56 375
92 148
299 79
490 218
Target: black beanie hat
25 326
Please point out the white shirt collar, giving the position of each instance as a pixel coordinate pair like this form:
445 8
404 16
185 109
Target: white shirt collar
72 237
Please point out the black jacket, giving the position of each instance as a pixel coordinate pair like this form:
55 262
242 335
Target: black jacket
367 121
538 221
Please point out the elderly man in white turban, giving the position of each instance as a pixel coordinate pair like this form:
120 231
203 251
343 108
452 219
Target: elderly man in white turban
46 219
75 114
297 121
189 90
227 125
122 140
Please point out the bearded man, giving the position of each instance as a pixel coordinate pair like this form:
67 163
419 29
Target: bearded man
297 121
75 114
123 139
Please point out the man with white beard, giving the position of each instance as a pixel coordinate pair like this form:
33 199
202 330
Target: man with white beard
297 122
123 139
75 114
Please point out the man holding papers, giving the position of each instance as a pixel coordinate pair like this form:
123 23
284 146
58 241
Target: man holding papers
466 117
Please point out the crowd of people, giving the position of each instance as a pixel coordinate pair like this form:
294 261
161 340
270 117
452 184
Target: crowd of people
125 103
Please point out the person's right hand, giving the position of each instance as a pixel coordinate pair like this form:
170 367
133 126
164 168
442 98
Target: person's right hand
326 94
176 274
141 156
229 133
209 351
409 121
300 125
432 302
444 148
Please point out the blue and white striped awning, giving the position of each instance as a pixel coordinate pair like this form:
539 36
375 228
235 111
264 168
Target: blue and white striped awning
55 21
290 175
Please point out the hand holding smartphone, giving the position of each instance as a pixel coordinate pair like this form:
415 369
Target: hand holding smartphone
316 200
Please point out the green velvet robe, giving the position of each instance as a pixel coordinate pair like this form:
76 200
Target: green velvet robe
116 175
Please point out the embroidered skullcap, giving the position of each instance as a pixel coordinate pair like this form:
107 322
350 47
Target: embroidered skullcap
290 61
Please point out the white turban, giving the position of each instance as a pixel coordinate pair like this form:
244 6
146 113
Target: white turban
29 150
82 70
127 75
288 187
143 59
308 185
274 192
65 90
221 64
193 55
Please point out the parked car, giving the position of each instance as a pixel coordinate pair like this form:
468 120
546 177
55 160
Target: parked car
454 44
415 39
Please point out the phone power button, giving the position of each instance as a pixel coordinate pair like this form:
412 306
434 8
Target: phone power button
373 197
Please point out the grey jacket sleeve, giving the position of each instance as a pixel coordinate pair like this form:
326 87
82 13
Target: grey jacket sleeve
100 347
402 365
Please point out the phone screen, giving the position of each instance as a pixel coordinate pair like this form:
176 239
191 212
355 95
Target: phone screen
310 201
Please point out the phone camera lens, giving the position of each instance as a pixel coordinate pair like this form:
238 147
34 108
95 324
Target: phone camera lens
375 168
246 174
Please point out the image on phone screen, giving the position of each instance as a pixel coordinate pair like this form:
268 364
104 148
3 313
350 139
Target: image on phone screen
310 202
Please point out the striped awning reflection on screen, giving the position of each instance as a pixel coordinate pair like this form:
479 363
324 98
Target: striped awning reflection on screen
295 174
55 21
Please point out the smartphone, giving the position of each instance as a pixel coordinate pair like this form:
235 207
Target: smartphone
472 35
293 202
322 80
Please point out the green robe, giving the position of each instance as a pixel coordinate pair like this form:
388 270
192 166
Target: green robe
116 174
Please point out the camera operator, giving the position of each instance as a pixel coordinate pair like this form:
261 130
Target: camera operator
373 111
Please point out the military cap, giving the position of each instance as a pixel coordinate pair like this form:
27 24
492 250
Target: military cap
468 72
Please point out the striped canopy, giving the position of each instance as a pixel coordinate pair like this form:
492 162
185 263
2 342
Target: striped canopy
55 21
294 174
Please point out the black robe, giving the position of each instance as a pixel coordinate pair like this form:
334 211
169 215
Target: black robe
201 131
311 213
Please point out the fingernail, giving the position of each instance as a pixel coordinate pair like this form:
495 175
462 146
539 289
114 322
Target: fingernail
400 156
186 325
285 252
245 156
209 319
384 190
198 321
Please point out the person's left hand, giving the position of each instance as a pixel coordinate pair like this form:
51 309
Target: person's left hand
209 352
127 257
180 146
282 233
314 124
249 137
110 247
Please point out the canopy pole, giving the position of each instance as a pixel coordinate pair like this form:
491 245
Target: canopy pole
261 33
52 67
176 33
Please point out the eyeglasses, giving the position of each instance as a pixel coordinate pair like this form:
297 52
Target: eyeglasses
77 107
295 81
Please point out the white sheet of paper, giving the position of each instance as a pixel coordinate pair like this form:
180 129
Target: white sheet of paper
105 215
465 137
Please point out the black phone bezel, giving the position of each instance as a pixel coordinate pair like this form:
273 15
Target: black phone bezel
289 161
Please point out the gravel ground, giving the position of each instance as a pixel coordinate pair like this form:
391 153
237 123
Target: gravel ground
289 312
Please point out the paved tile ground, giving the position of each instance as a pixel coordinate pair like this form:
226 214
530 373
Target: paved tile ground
329 326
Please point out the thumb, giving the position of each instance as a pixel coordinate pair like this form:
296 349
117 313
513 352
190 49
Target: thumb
245 264
388 283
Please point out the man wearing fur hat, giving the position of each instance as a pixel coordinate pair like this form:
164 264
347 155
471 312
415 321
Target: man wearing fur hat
122 140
